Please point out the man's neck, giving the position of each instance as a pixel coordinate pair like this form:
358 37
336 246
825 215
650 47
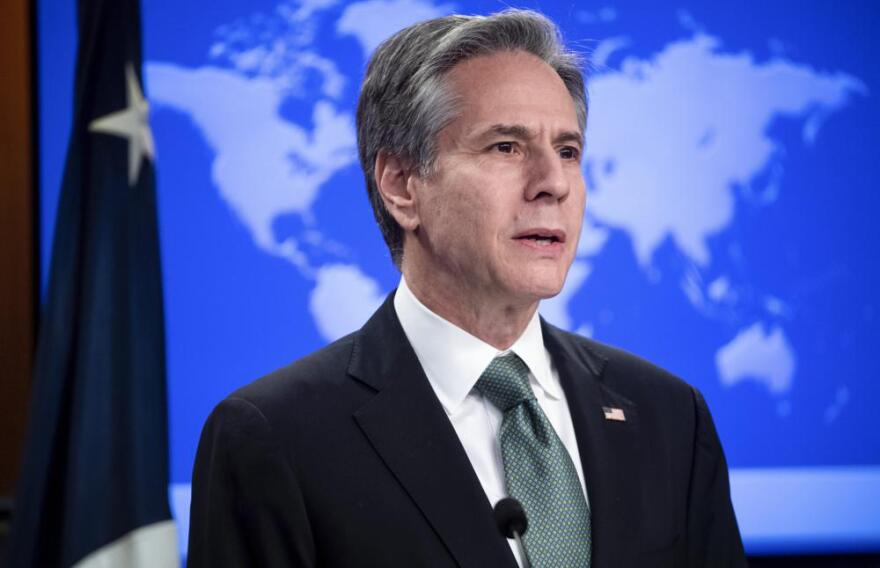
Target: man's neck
497 323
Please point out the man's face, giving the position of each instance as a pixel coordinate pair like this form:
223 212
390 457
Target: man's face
501 216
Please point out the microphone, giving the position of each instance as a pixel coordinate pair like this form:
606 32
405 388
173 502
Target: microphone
512 522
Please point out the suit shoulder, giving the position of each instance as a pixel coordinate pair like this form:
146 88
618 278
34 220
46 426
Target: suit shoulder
305 378
622 369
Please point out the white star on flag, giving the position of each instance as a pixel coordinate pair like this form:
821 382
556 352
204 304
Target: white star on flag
132 123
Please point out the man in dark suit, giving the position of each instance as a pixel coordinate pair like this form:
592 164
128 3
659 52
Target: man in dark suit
391 446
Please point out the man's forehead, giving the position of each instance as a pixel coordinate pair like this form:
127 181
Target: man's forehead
512 90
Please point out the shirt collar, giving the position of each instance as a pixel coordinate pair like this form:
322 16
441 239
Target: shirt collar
453 359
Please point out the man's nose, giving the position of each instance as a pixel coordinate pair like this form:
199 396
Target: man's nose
547 179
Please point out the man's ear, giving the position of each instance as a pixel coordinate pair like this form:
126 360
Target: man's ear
393 180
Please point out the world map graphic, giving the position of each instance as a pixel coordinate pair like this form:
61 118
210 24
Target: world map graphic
676 142
728 237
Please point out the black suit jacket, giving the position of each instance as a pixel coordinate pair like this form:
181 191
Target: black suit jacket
347 459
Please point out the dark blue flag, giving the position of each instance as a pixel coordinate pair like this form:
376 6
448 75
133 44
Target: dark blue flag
93 489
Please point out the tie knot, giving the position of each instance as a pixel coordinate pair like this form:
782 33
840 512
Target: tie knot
505 382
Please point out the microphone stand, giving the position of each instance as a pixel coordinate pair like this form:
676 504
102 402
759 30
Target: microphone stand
522 550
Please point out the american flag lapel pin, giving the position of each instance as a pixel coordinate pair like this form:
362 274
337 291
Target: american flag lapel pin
612 413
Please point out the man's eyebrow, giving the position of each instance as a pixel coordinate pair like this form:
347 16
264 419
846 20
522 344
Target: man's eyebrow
522 132
569 136
512 130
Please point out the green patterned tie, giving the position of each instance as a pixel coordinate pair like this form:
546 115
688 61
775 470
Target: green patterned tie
538 470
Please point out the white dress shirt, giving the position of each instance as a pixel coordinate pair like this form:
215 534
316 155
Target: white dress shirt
453 361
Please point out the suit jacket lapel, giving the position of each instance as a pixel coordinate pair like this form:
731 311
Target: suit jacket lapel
608 449
408 427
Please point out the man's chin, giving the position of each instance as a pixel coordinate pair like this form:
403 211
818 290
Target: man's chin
542 284
542 290
549 293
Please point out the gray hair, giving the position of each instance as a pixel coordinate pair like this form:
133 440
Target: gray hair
404 102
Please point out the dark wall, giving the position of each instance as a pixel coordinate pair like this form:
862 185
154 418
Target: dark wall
17 197
17 241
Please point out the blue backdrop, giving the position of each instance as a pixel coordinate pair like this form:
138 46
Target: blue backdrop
730 233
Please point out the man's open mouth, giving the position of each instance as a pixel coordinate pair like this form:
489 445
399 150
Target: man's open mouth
542 237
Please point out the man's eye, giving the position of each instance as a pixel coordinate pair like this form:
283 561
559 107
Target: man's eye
569 153
505 147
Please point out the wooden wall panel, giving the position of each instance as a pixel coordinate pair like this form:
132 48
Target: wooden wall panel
17 237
